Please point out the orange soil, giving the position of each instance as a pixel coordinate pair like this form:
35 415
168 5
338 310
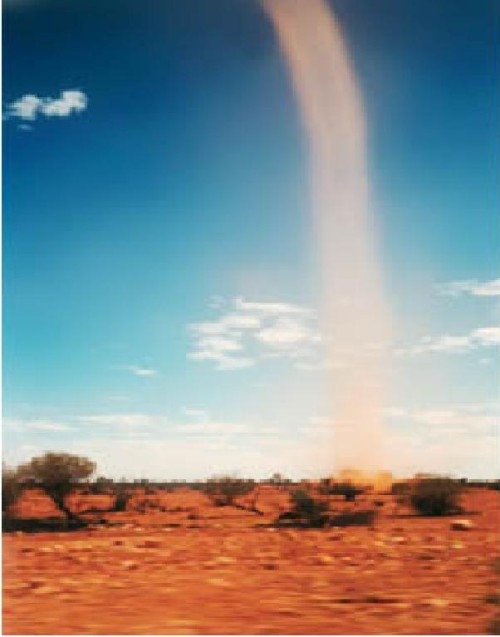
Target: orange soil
219 572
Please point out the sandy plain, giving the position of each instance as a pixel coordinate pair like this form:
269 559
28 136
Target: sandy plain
185 566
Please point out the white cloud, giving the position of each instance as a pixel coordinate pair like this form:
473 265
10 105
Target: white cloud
140 371
478 338
25 107
122 420
220 344
286 332
255 331
210 427
470 287
35 425
222 361
487 335
29 107
473 418
271 308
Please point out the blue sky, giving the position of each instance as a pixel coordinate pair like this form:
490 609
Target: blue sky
160 282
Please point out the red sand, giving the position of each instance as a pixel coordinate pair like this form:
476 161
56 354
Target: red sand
219 572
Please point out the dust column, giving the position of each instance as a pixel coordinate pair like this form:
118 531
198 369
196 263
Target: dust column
354 311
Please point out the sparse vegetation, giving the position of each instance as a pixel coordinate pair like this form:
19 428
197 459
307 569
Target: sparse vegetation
365 517
349 490
58 474
102 486
223 490
121 500
306 510
11 488
435 496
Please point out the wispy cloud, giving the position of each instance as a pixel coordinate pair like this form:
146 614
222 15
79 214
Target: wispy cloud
122 420
469 287
140 371
211 427
248 331
29 107
191 412
478 338
474 419
35 425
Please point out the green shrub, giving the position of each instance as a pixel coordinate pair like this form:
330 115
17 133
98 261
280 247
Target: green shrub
348 489
305 510
223 490
435 496
365 517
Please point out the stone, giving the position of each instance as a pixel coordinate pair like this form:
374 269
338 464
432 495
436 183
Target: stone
224 559
129 565
323 560
151 544
269 566
45 590
218 581
461 525
436 602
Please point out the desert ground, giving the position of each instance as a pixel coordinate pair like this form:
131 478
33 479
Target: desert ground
185 566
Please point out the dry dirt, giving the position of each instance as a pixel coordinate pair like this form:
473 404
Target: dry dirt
198 569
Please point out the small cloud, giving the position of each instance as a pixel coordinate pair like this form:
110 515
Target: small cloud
222 361
478 338
140 371
255 331
29 107
470 287
286 333
271 308
122 420
487 336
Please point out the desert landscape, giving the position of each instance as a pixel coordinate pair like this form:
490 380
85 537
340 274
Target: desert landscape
176 563
250 317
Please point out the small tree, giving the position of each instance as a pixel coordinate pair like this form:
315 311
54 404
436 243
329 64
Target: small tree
435 496
11 488
306 510
57 474
223 490
348 489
